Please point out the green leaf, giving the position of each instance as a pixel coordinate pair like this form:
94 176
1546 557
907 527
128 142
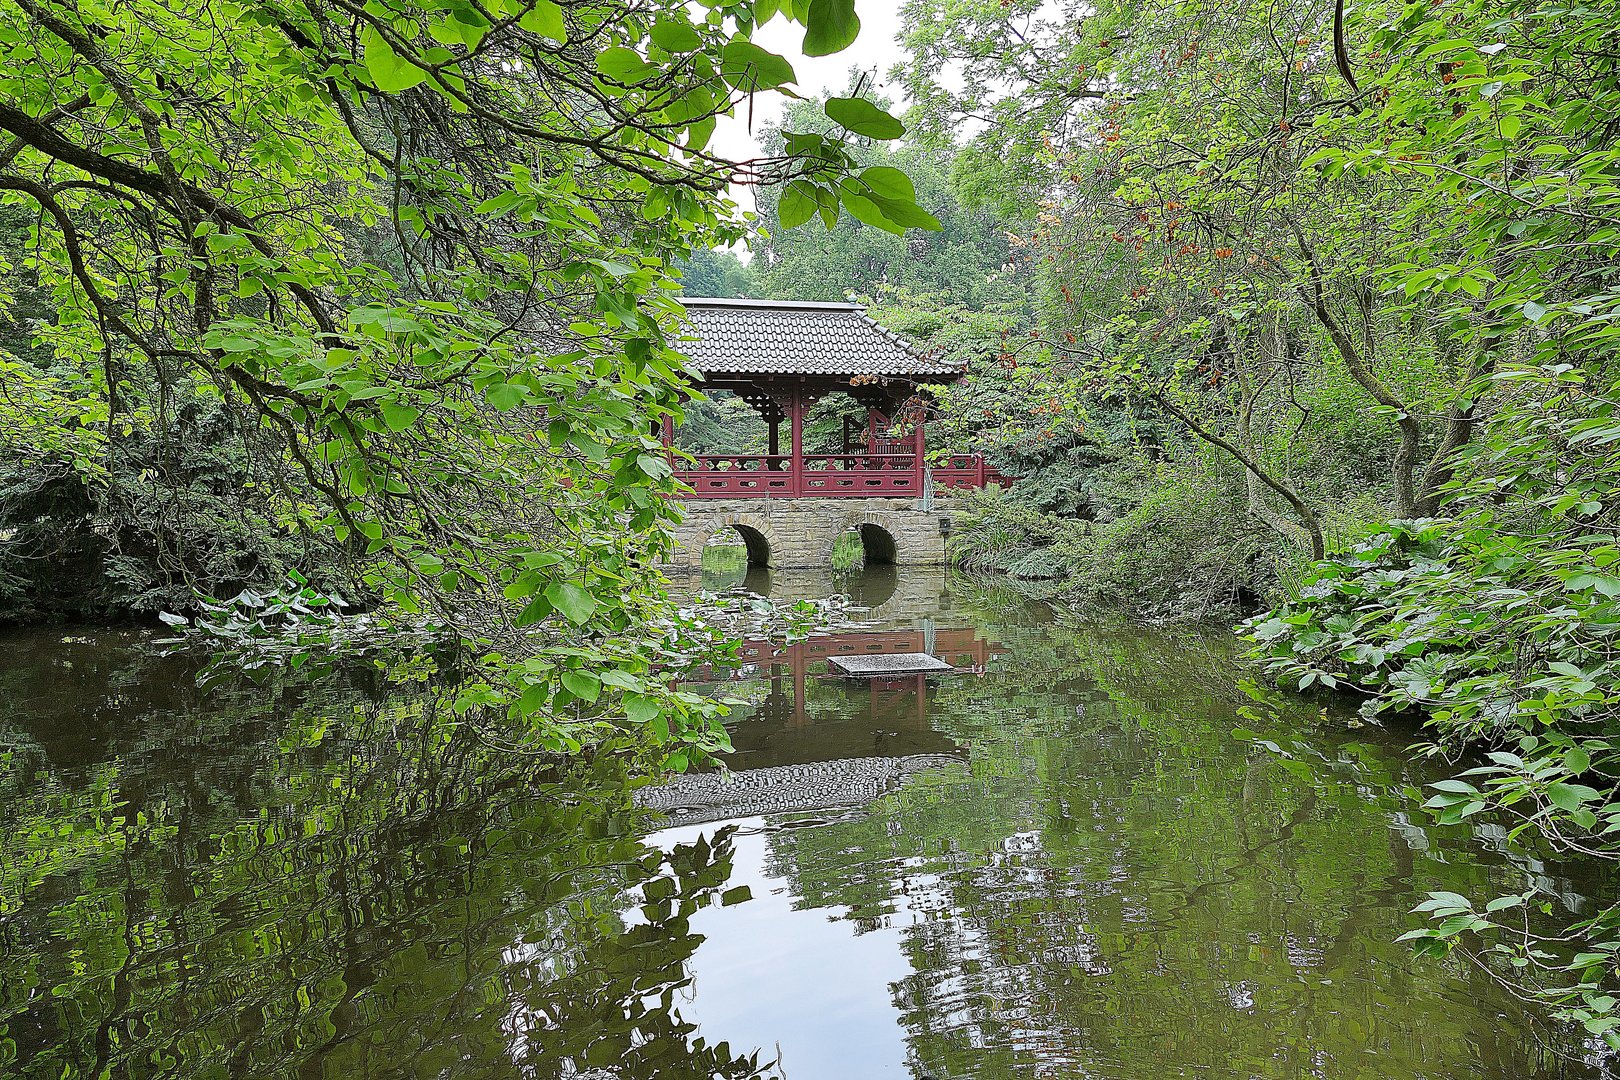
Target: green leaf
582 684
624 65
574 602
866 211
908 214
699 134
505 396
399 417
749 67
675 36
389 72
864 118
890 215
798 204
1461 787
889 183
545 19
1448 45
830 26
1566 797
638 709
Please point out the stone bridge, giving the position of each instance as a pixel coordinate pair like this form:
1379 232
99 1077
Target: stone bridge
791 533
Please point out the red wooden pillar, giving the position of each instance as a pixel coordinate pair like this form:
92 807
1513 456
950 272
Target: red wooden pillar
796 427
919 445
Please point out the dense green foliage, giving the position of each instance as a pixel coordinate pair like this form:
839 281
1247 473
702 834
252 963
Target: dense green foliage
1268 305
396 278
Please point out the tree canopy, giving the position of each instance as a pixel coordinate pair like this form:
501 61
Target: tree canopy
416 258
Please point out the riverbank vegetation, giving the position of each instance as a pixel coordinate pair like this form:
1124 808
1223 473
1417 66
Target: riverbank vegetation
1349 287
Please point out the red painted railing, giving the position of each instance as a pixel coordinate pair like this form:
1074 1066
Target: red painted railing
741 476
861 474
967 471
732 476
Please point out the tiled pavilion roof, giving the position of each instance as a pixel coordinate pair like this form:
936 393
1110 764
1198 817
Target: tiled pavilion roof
787 337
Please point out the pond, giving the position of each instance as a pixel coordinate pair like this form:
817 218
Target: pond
1069 857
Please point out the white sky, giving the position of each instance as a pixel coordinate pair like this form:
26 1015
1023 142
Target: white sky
874 52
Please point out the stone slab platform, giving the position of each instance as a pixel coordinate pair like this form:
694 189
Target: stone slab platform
877 667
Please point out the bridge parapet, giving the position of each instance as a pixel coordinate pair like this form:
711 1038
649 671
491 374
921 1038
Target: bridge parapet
799 533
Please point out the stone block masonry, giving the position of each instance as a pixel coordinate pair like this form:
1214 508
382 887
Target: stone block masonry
799 533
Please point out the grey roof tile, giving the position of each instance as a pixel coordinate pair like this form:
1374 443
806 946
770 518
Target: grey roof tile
779 337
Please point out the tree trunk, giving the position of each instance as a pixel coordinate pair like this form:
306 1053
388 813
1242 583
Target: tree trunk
1311 526
1459 430
1406 455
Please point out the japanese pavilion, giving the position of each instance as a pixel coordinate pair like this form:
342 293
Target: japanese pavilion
781 357
790 502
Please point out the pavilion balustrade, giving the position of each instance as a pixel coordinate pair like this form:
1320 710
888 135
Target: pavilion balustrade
884 466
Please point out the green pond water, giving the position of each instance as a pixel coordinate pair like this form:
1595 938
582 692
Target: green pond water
1058 861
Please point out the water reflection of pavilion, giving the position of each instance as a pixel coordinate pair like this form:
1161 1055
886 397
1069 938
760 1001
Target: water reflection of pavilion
816 741
801 660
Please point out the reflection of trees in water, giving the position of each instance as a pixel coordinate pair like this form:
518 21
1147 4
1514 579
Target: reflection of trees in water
365 890
1124 887
1111 883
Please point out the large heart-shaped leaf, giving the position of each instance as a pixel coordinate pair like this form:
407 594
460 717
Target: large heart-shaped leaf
889 183
624 65
799 204
582 684
749 67
864 118
830 26
574 602
675 36
545 19
389 72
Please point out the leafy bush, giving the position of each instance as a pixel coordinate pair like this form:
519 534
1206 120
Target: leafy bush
1502 626
1184 545
1002 532
1189 548
167 511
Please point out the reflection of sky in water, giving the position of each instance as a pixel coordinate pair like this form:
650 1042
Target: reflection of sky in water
1110 885
802 981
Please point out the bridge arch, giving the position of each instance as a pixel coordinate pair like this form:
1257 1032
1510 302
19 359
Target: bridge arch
754 531
878 545
803 533
881 543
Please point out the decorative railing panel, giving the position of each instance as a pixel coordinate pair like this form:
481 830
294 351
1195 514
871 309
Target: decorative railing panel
961 472
732 476
861 474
